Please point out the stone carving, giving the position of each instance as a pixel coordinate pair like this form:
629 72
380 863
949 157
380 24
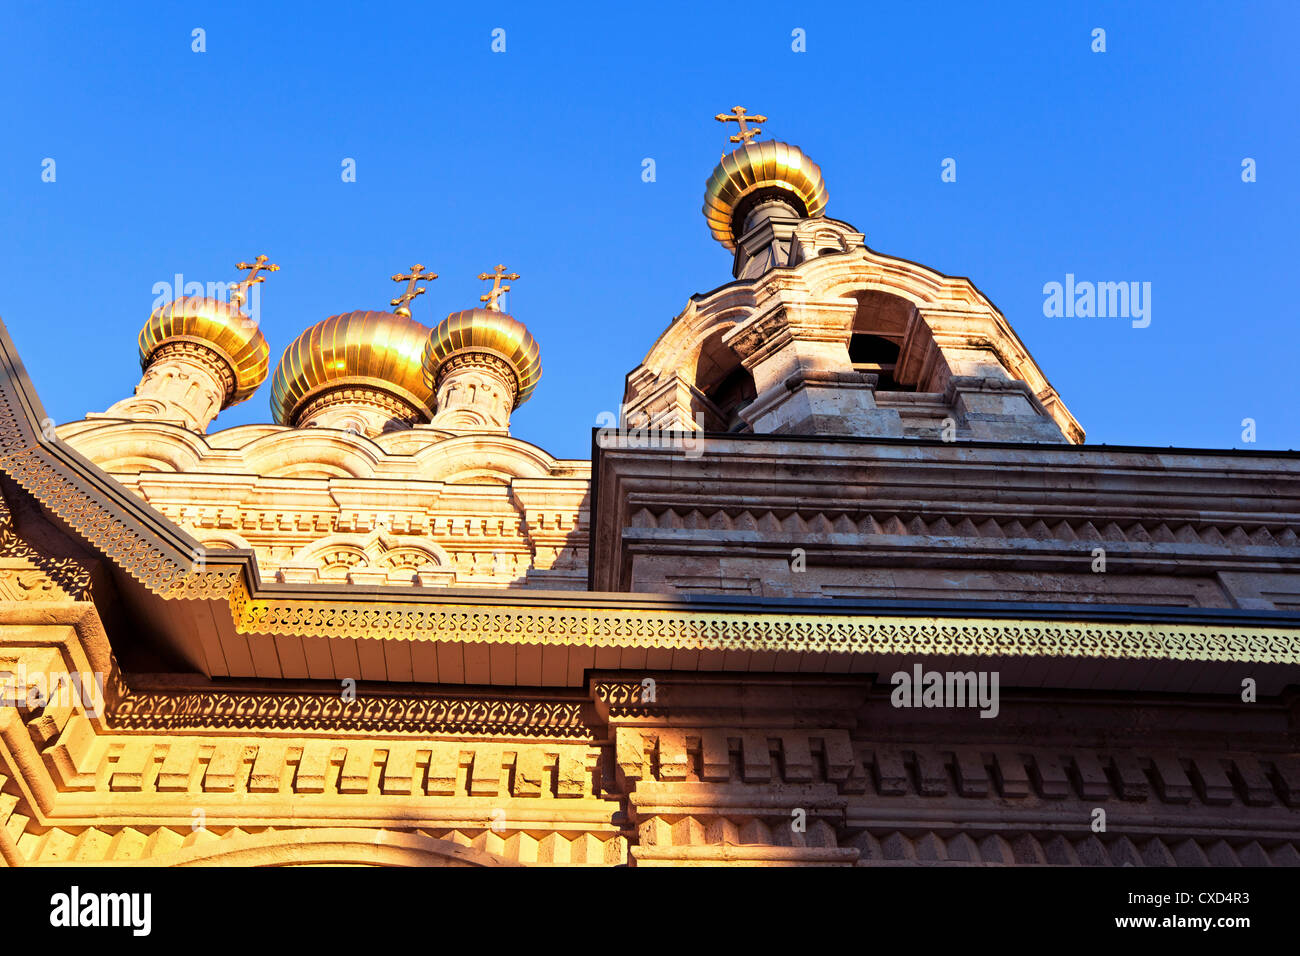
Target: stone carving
26 574
376 558
475 390
28 584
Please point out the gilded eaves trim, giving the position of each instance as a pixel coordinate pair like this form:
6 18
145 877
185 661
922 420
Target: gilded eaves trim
791 633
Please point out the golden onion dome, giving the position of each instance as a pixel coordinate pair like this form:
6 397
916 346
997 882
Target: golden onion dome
220 326
486 330
379 350
753 172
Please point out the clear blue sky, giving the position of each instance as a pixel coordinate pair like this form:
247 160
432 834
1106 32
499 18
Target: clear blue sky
1117 166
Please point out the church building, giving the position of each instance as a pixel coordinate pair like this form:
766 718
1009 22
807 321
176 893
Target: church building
844 585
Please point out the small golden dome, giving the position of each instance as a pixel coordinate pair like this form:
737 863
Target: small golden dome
754 171
222 327
486 330
381 350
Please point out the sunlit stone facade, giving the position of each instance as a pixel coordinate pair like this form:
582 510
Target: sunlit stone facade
844 586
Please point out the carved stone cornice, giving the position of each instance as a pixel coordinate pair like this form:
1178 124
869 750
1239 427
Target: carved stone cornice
789 320
759 335
483 361
385 402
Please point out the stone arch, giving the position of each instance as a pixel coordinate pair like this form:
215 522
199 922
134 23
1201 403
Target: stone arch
391 557
466 417
337 560
479 459
979 342
138 464
332 846
828 242
222 539
664 390
312 453
118 446
884 333
835 277
892 298
722 380
676 349
821 237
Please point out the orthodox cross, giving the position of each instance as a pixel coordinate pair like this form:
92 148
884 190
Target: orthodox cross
497 290
417 274
237 295
738 115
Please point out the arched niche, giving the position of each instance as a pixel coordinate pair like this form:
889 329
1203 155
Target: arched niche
333 846
888 338
722 379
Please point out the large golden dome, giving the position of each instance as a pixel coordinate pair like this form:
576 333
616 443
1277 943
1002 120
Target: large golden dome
754 171
221 327
485 330
381 350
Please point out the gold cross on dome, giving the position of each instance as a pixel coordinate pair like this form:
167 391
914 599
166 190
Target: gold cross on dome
237 295
417 274
738 115
497 290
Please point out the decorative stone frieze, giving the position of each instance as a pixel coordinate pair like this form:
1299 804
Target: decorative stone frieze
476 390
360 410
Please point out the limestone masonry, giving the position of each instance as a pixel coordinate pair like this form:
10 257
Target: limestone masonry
386 630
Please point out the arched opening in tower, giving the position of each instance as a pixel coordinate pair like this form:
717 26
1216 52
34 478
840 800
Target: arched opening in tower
879 331
725 382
